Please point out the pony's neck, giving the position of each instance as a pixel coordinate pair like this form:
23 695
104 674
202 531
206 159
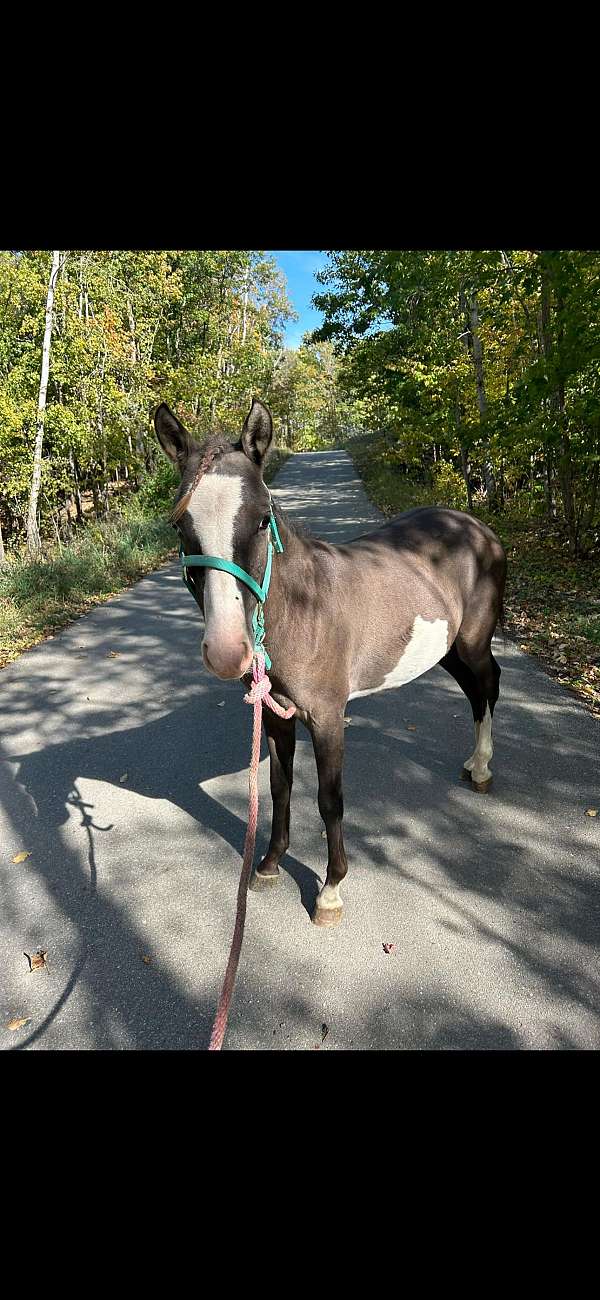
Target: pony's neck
294 578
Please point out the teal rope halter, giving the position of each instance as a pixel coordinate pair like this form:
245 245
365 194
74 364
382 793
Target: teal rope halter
227 566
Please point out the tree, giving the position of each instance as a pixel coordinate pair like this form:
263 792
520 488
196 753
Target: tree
33 536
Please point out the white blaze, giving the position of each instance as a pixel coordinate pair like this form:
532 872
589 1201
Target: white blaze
213 509
428 644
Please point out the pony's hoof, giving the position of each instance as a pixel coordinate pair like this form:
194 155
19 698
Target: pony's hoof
260 881
482 787
465 774
327 915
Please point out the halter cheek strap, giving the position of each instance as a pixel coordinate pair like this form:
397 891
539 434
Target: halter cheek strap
227 566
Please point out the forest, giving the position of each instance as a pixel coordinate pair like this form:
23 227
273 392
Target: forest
90 342
466 377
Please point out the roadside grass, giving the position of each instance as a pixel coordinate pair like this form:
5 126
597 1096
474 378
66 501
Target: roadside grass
552 602
38 597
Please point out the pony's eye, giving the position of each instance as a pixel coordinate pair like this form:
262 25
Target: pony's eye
264 523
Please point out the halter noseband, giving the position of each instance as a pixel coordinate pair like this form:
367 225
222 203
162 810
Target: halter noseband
227 566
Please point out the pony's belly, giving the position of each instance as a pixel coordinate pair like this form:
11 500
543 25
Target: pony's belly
428 644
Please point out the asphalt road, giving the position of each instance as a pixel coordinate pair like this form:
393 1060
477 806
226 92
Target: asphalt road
123 774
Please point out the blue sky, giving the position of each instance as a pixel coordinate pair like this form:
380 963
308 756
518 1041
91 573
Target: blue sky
299 268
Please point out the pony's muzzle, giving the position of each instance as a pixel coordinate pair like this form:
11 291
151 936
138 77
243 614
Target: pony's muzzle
227 660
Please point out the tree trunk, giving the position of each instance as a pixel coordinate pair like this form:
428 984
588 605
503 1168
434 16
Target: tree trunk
213 404
589 519
552 358
102 436
473 343
245 304
33 534
464 458
548 486
565 465
77 493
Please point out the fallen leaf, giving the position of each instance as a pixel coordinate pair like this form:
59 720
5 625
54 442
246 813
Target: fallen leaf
124 776
38 960
389 947
323 835
18 1023
347 722
147 960
221 704
324 1032
114 654
20 857
591 812
411 727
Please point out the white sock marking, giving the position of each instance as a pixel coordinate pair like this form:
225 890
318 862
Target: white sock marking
329 897
477 764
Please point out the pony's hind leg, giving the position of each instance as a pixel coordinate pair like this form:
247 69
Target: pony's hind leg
478 676
486 672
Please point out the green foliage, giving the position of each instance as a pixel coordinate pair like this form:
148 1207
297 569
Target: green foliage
199 329
449 487
310 410
488 361
157 490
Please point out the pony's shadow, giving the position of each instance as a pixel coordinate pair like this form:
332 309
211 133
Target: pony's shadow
168 758
164 759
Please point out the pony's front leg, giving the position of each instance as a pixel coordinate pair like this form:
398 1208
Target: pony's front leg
328 742
281 739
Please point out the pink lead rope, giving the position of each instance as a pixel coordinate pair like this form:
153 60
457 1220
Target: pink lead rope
258 695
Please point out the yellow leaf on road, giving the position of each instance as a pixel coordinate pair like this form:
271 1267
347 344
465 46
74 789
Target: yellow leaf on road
591 812
18 1023
20 857
38 960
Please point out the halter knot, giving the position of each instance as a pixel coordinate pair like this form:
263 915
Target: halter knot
260 691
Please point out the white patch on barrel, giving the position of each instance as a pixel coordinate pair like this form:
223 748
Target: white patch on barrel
213 509
428 644
477 764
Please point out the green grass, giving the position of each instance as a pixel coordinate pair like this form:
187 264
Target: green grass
37 597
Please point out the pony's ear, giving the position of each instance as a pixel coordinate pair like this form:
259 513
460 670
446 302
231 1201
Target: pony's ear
257 433
175 441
